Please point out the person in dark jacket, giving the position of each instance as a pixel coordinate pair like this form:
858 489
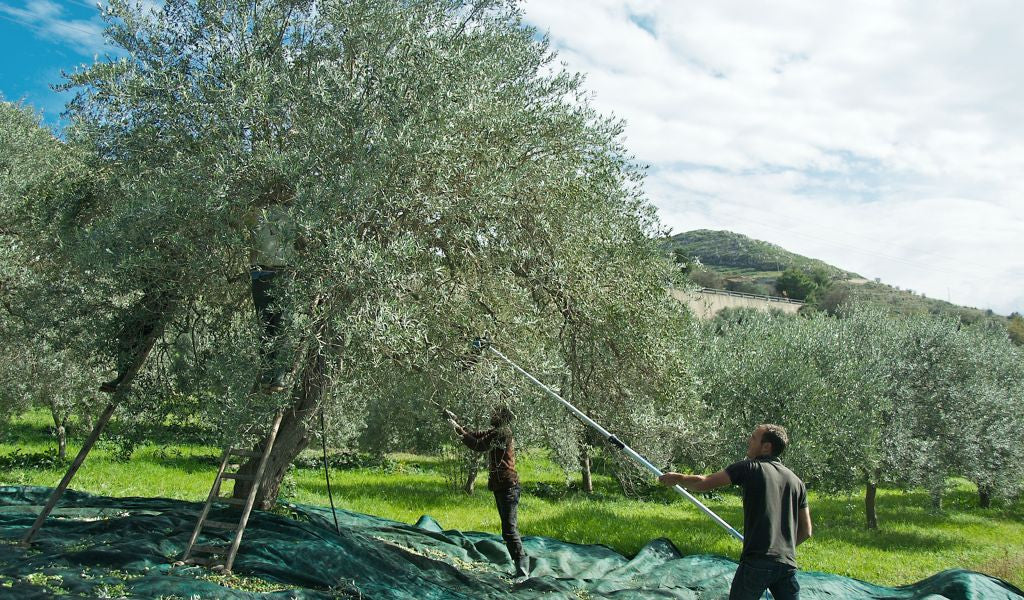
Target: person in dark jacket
776 518
502 478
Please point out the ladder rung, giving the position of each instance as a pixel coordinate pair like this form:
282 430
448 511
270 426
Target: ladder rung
249 453
233 501
219 524
221 550
206 562
237 476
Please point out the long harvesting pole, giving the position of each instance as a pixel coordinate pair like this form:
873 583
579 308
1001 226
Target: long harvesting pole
617 442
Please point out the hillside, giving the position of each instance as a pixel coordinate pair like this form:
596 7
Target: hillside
736 254
736 262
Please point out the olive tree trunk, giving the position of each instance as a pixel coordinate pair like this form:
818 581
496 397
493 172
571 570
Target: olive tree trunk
472 465
60 430
293 435
588 482
984 496
869 506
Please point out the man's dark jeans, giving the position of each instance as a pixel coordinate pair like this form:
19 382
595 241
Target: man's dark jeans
508 507
266 285
754 576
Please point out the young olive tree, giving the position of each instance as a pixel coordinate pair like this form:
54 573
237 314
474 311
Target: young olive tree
929 389
753 368
990 422
823 378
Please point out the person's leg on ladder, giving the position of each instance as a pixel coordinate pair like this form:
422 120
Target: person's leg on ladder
264 288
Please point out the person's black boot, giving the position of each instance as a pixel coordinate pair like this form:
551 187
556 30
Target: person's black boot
279 381
109 387
522 567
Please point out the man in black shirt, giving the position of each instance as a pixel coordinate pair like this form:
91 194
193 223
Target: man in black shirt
776 518
502 478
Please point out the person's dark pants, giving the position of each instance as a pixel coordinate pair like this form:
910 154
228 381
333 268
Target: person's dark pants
265 289
508 507
754 576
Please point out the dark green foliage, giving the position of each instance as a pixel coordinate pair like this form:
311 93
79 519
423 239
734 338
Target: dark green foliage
748 287
796 284
707 278
1016 329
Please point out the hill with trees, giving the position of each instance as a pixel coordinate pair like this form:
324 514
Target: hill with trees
733 254
733 261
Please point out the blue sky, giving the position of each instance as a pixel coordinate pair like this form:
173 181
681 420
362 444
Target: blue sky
884 137
41 38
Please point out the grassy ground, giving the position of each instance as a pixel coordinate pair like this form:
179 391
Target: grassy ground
911 543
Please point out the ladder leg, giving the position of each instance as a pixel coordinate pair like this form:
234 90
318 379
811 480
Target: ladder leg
214 493
251 499
59 490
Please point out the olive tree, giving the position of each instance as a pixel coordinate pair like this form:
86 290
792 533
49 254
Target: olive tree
444 175
990 425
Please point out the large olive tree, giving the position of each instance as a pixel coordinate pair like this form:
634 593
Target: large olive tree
445 177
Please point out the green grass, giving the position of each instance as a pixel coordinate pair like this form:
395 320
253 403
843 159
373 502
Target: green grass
912 542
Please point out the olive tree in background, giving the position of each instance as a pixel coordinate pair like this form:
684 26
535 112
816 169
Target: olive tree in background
45 361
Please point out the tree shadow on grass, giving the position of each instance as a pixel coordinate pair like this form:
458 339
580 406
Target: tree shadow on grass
912 507
20 432
187 463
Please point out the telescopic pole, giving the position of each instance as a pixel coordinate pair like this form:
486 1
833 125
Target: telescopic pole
616 442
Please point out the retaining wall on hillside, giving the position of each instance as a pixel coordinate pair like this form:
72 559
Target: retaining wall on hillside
706 302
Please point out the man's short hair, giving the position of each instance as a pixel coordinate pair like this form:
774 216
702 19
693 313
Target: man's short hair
776 436
504 413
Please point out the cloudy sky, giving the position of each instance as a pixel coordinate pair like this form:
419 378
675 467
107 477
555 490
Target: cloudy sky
886 138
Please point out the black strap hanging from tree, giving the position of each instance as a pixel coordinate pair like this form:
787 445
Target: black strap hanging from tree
327 472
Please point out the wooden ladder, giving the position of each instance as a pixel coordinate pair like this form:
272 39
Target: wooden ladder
217 553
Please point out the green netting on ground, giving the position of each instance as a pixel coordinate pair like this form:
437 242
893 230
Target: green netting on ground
95 546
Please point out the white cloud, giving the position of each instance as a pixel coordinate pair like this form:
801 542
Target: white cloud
883 137
49 20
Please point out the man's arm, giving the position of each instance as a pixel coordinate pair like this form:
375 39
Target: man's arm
696 483
804 528
478 441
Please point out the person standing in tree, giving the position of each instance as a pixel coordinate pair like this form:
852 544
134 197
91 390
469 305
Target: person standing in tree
776 518
273 240
502 478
